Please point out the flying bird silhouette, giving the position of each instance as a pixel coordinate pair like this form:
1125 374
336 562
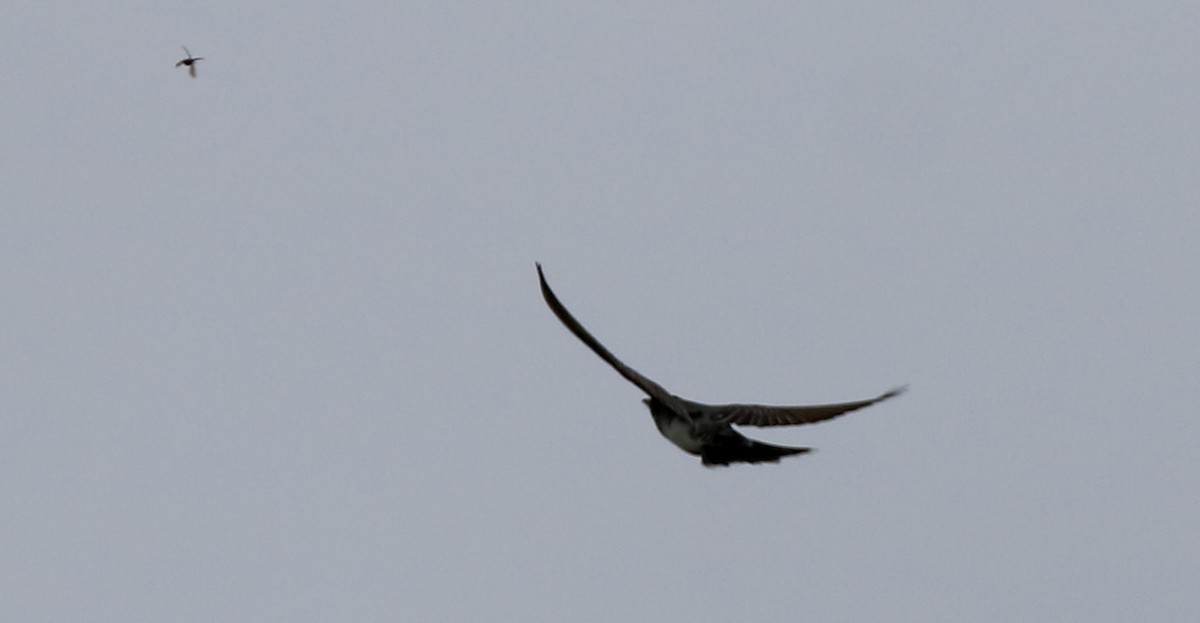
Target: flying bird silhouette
190 61
707 430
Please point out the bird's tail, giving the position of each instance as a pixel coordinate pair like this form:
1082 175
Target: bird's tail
749 451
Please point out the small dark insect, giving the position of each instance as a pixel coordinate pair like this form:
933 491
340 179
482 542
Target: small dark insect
190 62
707 430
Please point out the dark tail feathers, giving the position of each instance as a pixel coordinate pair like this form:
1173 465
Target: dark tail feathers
745 450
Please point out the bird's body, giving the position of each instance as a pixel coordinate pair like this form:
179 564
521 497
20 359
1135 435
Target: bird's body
190 62
702 429
714 441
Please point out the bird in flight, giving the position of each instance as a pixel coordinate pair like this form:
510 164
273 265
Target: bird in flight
190 62
707 430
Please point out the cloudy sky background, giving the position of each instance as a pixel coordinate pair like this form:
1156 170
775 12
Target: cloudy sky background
273 347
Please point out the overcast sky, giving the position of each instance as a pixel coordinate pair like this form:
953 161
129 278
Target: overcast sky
273 348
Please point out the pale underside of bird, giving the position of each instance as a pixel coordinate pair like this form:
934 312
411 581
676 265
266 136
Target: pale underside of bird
189 62
707 430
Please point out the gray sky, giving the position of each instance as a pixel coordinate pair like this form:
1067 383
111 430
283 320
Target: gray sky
274 350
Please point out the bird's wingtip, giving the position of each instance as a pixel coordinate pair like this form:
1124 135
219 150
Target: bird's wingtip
895 391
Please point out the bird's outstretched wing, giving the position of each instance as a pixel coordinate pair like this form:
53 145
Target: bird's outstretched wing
763 415
192 70
652 389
